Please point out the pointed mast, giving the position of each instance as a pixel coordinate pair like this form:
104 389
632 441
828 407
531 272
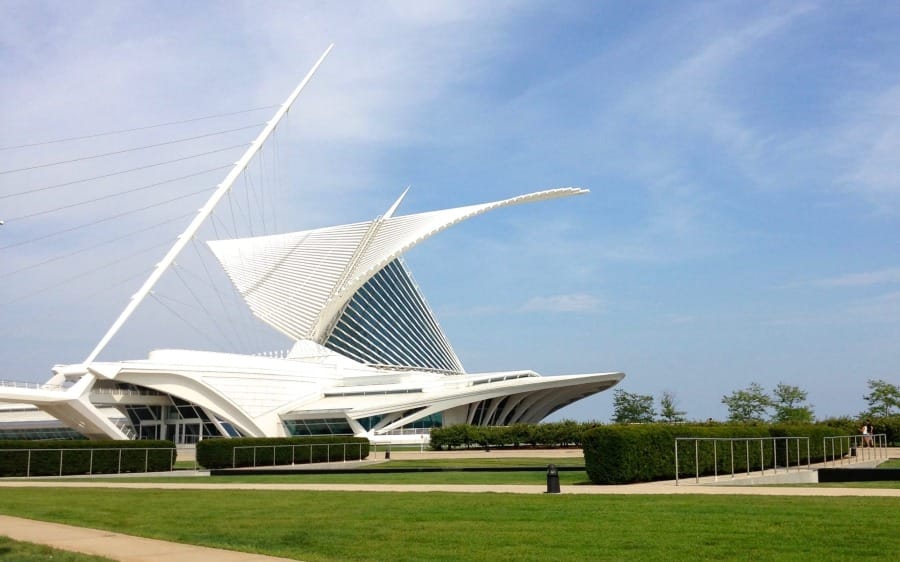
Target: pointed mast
204 212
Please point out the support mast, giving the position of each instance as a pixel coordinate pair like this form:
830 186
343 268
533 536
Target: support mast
204 212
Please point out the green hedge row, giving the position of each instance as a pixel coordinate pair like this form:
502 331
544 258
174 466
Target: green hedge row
68 457
621 454
558 434
890 426
266 451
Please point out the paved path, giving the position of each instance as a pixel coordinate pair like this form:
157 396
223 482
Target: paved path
117 546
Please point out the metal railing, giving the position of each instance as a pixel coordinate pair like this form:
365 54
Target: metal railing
108 391
847 449
32 385
746 440
409 431
90 472
293 448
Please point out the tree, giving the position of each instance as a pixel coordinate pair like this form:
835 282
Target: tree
668 412
883 398
632 408
748 405
789 405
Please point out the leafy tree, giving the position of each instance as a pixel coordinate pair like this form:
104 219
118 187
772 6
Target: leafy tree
747 405
668 412
789 405
883 398
632 408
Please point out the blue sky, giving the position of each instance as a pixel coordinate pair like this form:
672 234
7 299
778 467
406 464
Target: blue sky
742 158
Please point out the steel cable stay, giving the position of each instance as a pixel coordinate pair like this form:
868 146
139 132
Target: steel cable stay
214 220
177 269
240 221
126 150
234 231
257 198
229 197
38 320
281 181
120 172
94 246
259 193
210 282
94 269
274 184
236 299
116 194
267 182
134 129
106 219
159 299
246 178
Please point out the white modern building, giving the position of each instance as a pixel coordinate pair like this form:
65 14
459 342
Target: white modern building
368 359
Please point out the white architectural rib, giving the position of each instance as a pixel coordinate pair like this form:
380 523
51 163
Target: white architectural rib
300 282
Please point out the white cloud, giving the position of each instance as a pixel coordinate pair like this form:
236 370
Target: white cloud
575 302
867 143
879 277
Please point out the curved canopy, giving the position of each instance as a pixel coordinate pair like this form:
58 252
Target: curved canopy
300 283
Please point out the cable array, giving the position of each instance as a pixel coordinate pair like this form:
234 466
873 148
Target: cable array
40 257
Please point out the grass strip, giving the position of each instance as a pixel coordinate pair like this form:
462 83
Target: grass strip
330 526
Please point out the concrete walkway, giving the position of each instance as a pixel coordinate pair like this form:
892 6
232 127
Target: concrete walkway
117 546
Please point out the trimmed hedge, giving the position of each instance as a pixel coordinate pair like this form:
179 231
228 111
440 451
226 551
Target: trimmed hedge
558 434
621 454
239 452
68 457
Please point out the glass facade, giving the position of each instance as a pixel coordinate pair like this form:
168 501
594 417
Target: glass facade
181 422
388 322
40 433
319 426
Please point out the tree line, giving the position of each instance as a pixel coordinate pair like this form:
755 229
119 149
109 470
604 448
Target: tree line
785 404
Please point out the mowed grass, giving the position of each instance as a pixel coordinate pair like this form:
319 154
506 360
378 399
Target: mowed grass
17 551
346 526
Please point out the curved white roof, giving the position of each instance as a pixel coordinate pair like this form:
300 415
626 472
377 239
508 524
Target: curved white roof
300 282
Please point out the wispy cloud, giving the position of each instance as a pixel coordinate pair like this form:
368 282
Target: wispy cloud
576 302
867 143
864 279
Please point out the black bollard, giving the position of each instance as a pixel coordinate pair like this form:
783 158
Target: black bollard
387 453
552 479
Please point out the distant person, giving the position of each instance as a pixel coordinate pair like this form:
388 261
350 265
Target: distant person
866 430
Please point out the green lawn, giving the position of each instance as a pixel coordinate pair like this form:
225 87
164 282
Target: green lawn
16 551
892 463
316 526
